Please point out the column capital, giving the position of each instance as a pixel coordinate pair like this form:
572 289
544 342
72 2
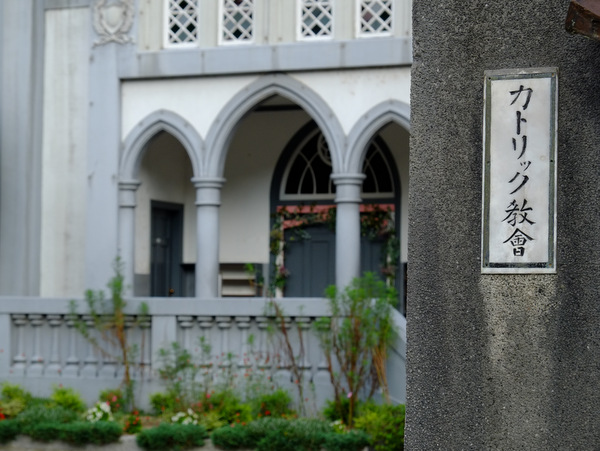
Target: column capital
127 189
348 187
208 190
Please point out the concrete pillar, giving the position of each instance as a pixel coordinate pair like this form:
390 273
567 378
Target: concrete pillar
126 250
208 200
347 228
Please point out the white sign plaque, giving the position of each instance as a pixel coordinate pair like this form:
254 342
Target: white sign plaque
519 171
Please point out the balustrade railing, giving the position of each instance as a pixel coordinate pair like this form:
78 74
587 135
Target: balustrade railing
40 345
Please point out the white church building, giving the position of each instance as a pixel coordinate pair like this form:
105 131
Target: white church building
217 147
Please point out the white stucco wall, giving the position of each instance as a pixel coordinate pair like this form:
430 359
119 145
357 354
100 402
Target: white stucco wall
350 93
64 153
245 207
197 100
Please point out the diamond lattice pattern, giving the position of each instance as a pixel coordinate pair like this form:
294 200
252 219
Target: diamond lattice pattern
375 16
316 18
238 20
183 21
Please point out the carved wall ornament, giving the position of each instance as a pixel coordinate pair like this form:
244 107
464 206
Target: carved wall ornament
113 20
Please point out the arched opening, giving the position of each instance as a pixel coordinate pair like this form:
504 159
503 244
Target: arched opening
165 220
253 152
396 138
303 207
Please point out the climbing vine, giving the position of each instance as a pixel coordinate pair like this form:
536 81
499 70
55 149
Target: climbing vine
377 222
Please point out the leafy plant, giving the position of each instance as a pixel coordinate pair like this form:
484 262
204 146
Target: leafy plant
172 436
179 372
68 399
13 399
108 318
356 338
132 423
385 425
114 398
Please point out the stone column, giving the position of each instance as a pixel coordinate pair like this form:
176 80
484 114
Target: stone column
127 203
347 228
208 200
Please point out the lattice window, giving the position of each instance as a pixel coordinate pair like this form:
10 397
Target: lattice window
375 17
238 21
182 22
316 19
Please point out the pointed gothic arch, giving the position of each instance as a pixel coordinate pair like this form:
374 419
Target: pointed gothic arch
137 141
224 126
368 126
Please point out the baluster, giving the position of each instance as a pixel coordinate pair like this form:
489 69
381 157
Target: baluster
264 359
36 367
206 351
128 321
109 356
185 323
283 375
90 364
19 360
303 360
322 379
243 363
54 366
72 363
145 349
224 324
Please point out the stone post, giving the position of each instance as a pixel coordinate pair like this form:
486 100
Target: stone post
347 228
208 200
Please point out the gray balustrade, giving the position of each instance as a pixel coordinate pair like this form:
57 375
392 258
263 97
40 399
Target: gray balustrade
42 346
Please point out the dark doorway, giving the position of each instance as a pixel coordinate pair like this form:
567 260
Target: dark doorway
166 238
310 259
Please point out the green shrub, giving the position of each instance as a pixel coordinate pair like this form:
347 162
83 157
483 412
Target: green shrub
273 434
232 437
82 433
9 429
172 436
44 432
385 425
40 413
350 441
77 433
276 404
68 398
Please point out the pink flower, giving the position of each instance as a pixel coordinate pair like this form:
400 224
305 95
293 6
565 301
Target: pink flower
349 395
114 399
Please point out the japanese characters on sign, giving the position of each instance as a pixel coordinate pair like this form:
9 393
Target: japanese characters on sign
519 171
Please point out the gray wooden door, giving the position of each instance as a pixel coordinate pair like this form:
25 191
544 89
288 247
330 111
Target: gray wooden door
166 237
311 261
